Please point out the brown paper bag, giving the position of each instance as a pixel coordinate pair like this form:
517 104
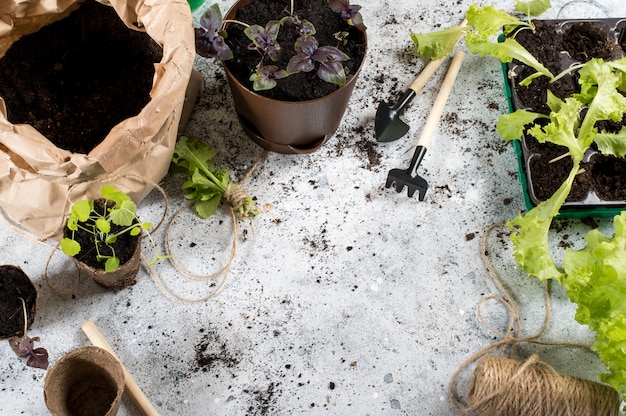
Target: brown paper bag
39 181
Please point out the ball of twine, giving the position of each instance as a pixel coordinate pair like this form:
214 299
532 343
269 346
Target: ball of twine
505 387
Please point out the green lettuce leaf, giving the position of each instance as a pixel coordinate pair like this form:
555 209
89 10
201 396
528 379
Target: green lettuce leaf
596 282
530 237
511 126
205 184
533 7
612 143
435 45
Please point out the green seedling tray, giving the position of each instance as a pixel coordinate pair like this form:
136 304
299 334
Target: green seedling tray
571 211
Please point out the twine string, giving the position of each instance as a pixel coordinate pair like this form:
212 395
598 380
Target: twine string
234 198
502 386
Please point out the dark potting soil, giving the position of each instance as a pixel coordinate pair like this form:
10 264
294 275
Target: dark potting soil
124 246
305 85
579 42
75 79
15 284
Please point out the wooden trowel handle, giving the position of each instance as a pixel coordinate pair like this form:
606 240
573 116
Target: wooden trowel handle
428 71
440 102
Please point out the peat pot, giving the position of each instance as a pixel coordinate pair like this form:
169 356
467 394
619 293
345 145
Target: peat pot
288 126
15 284
85 381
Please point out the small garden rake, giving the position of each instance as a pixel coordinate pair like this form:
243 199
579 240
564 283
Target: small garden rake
409 177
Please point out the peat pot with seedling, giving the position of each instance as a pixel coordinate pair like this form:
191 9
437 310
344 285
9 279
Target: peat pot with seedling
18 305
291 66
104 235
568 102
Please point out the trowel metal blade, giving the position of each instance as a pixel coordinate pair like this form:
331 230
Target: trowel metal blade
387 125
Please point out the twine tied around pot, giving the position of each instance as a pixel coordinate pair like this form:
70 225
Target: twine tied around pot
503 386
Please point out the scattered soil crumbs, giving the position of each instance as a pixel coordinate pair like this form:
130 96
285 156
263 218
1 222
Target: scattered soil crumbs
264 400
210 351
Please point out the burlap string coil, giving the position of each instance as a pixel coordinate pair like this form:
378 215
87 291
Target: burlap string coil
504 387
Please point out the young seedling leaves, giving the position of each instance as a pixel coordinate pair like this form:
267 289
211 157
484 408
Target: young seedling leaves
205 184
120 210
303 26
329 59
24 346
435 45
349 13
264 38
264 77
484 24
533 7
209 40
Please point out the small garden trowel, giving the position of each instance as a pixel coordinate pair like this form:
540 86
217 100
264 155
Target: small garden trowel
388 125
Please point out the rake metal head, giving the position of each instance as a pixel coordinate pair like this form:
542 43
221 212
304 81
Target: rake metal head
409 177
402 177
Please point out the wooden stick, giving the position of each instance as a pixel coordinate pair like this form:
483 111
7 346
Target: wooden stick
556 159
97 339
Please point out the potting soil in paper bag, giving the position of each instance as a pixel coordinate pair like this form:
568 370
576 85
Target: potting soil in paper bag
39 181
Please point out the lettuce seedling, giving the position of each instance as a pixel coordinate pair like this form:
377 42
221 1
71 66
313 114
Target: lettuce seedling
309 55
484 26
24 346
119 209
595 277
205 184
601 96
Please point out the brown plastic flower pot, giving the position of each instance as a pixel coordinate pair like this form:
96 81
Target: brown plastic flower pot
288 126
85 381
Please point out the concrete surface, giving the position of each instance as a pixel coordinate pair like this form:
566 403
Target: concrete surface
344 297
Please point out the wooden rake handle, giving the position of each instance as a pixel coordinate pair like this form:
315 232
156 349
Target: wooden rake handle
440 102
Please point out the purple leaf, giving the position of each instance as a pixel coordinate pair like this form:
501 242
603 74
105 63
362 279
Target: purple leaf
329 54
332 72
303 26
349 13
209 42
24 347
300 63
264 78
264 38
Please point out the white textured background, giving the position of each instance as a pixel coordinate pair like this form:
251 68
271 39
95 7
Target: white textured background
345 298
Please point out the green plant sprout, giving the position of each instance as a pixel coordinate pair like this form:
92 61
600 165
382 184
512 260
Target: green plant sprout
484 26
118 209
205 184
24 346
209 39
